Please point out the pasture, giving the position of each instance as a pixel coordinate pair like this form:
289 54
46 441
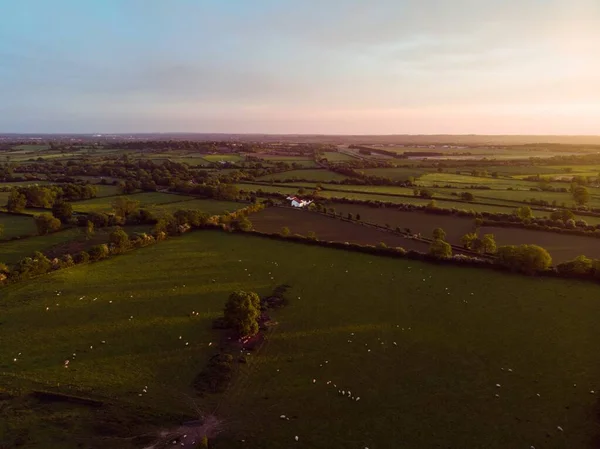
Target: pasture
439 356
146 200
334 156
223 157
13 251
16 226
317 175
394 173
211 207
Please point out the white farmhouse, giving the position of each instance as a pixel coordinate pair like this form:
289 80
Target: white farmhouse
297 202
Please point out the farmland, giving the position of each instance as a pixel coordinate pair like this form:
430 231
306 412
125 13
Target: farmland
147 200
16 226
11 252
333 156
272 220
211 207
395 174
309 175
436 386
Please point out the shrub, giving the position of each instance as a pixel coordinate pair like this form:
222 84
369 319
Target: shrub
527 259
81 257
440 249
216 376
98 252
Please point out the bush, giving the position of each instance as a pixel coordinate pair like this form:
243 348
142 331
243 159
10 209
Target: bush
216 376
81 257
440 249
98 252
46 224
527 259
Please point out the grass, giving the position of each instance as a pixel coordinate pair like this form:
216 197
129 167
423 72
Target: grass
395 174
13 251
434 389
334 156
223 157
212 207
318 175
147 200
16 225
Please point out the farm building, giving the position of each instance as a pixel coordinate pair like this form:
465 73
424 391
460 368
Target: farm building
297 202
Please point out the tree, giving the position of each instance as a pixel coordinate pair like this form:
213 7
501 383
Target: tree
46 223
16 201
119 239
581 195
468 240
89 230
242 311
63 211
226 192
488 244
524 212
312 235
357 217
285 231
581 265
467 196
527 259
98 252
562 214
124 206
441 249
242 223
439 234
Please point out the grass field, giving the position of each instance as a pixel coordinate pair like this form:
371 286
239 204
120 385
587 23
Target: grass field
223 157
13 251
334 156
435 387
212 207
318 175
16 225
395 174
147 200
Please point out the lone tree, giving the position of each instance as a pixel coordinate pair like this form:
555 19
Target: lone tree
242 311
285 231
62 210
581 195
46 223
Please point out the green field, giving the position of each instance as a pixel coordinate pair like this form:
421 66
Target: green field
395 174
318 175
212 207
423 350
15 226
223 157
147 200
334 156
13 251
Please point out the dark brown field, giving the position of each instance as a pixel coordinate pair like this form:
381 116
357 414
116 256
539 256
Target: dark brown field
561 247
273 219
422 222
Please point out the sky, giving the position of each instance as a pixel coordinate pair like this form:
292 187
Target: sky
303 66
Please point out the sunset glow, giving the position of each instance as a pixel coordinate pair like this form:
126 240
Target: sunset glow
338 66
